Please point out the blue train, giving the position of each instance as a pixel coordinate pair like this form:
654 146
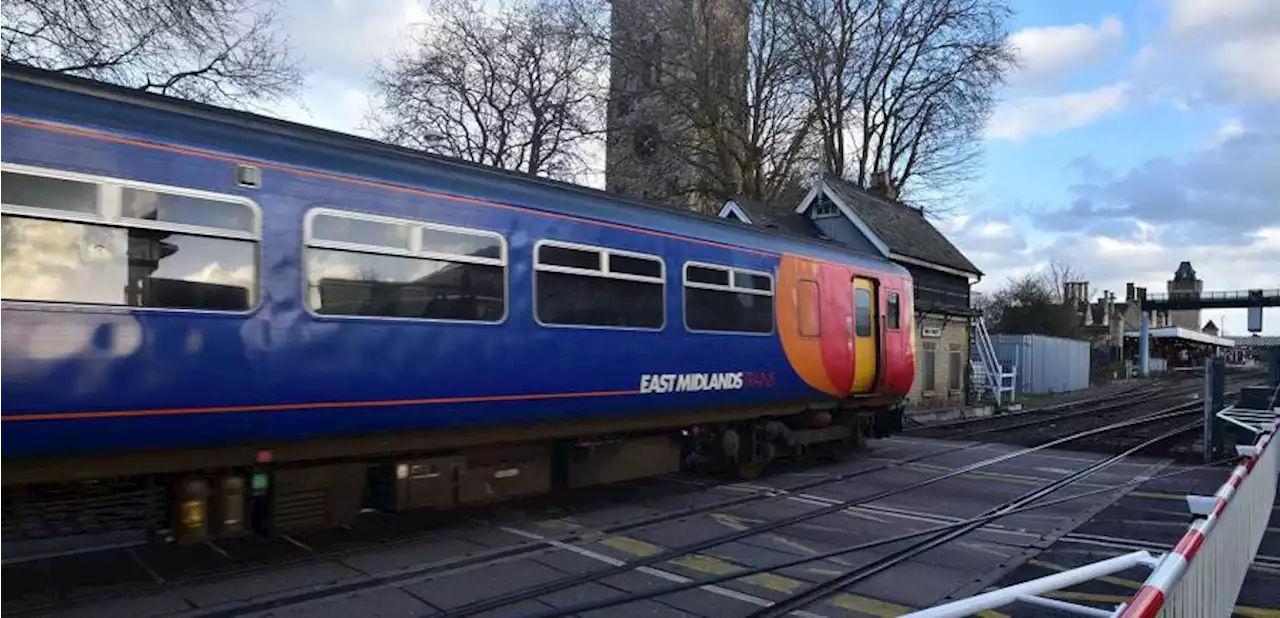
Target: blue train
213 315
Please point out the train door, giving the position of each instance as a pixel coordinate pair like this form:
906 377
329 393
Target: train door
866 352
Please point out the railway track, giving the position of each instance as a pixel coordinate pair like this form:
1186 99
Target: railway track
442 568
933 538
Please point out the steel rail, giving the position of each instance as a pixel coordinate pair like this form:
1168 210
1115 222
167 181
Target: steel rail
557 585
834 585
664 590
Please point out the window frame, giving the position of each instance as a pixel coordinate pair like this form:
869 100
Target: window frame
871 314
955 368
415 242
603 273
929 349
894 300
731 288
817 291
109 205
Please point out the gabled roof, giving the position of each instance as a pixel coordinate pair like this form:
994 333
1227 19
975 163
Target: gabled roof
772 217
897 228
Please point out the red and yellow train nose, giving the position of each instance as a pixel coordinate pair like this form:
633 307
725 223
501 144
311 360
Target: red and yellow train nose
815 322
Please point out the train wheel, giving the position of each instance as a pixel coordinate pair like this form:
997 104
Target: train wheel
755 460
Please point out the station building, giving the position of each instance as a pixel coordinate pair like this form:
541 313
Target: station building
874 221
1177 337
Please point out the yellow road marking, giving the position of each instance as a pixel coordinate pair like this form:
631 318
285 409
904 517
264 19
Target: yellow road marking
711 565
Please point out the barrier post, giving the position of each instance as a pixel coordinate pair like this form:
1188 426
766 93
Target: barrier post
1214 387
1144 350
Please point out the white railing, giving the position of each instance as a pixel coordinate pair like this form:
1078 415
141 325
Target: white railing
1200 577
1203 574
988 372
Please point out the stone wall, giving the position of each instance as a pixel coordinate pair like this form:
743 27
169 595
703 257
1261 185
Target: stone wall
955 337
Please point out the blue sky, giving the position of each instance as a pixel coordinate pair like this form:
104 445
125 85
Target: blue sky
1135 135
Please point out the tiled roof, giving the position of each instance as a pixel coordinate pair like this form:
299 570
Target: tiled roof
903 228
779 218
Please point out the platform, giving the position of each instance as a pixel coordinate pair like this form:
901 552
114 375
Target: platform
457 564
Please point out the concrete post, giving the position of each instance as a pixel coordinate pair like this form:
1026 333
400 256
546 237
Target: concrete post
1214 397
1144 353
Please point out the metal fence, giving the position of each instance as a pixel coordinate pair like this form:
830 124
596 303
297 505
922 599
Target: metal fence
1045 364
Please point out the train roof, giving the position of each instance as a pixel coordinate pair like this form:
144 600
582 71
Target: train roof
349 143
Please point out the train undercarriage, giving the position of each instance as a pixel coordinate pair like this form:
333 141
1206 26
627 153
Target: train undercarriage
271 496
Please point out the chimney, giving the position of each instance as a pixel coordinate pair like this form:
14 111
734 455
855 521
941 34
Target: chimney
1128 293
881 183
1108 306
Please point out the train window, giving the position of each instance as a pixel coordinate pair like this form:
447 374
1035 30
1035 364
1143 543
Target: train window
570 257
727 300
576 285
51 193
808 313
893 311
862 312
111 242
360 231
184 209
369 266
700 274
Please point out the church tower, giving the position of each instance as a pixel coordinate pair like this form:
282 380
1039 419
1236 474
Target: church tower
1185 284
677 85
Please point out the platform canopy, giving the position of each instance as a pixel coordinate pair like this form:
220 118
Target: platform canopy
1257 342
1184 334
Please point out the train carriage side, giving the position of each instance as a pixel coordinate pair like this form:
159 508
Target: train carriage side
232 316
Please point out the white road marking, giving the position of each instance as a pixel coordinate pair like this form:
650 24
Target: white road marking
671 577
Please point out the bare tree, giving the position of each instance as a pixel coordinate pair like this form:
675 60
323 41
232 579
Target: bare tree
848 86
225 52
1034 303
903 86
520 88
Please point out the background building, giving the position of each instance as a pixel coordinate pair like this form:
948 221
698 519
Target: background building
1185 283
677 83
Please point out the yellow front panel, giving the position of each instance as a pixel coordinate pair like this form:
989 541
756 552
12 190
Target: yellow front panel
865 328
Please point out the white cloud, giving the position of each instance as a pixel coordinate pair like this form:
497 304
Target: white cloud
1214 51
1190 15
1049 53
1229 129
1022 118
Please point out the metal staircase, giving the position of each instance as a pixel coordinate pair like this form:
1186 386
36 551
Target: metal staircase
989 377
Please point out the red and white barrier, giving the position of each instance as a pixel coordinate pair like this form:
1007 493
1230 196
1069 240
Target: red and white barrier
1203 573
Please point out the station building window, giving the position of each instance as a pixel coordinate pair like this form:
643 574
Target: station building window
927 366
956 366
587 286
727 300
372 266
73 238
